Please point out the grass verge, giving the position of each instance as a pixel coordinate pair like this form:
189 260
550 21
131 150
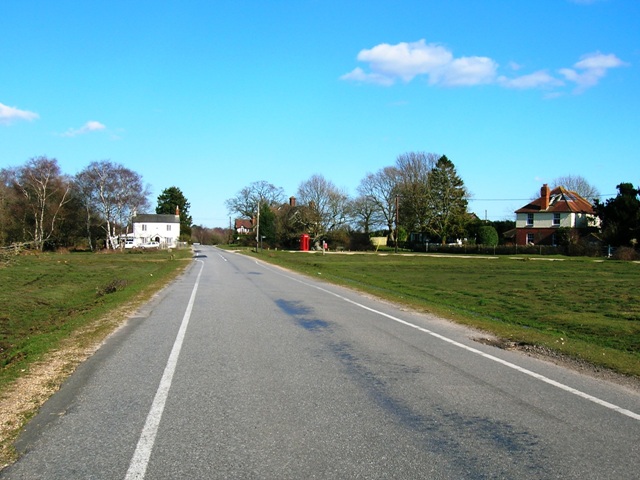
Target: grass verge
583 309
57 309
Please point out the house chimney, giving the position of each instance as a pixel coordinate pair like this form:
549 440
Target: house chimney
544 194
177 210
292 201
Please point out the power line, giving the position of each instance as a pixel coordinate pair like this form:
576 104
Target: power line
526 199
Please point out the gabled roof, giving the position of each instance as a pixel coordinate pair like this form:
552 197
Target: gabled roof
244 223
561 200
156 218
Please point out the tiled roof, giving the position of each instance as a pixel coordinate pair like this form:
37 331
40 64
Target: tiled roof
244 223
155 218
561 200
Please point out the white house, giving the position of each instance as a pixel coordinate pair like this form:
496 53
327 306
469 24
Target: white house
162 231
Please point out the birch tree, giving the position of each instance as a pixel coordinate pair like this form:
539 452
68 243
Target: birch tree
113 193
44 191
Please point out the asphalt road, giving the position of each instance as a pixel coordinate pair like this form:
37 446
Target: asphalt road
243 370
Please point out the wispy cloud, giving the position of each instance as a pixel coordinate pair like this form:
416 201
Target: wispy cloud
90 126
403 62
10 114
587 72
539 79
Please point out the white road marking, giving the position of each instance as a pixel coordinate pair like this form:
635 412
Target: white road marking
530 373
140 460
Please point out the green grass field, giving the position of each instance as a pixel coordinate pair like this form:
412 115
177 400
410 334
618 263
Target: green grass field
580 307
46 297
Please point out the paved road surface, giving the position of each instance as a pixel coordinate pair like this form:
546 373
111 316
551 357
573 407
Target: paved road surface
242 370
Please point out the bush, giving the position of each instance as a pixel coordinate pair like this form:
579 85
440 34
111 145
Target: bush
487 235
625 253
113 286
360 242
337 239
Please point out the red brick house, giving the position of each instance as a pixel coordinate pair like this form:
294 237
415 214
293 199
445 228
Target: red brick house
538 222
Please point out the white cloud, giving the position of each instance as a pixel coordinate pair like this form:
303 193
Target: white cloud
587 72
405 61
10 114
465 71
539 79
360 76
90 126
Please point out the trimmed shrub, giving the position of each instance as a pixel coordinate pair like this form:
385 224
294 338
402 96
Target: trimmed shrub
487 235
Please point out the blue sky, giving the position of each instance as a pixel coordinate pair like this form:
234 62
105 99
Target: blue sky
210 96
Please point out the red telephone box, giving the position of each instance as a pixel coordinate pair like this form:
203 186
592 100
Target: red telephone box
304 242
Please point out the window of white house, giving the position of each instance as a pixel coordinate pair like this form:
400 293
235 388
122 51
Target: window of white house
530 238
144 227
168 228
556 219
529 218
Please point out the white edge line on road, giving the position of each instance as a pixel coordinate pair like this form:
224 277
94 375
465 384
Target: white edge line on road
530 373
140 459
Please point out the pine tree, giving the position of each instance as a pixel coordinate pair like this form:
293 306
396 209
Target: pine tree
447 201
168 200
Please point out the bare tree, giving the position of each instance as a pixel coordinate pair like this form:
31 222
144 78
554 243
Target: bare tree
245 203
577 184
327 205
6 217
113 193
84 191
364 214
44 191
414 170
381 188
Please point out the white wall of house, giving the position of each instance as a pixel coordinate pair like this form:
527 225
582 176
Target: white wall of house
546 220
148 230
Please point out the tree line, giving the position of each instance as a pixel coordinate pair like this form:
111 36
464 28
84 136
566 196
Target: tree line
421 198
422 193
46 208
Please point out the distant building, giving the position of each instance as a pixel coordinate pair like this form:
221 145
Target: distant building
151 229
537 223
244 225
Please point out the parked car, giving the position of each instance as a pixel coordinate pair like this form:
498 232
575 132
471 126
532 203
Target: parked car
150 245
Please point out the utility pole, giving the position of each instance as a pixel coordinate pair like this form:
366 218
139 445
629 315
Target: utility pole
258 228
396 234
